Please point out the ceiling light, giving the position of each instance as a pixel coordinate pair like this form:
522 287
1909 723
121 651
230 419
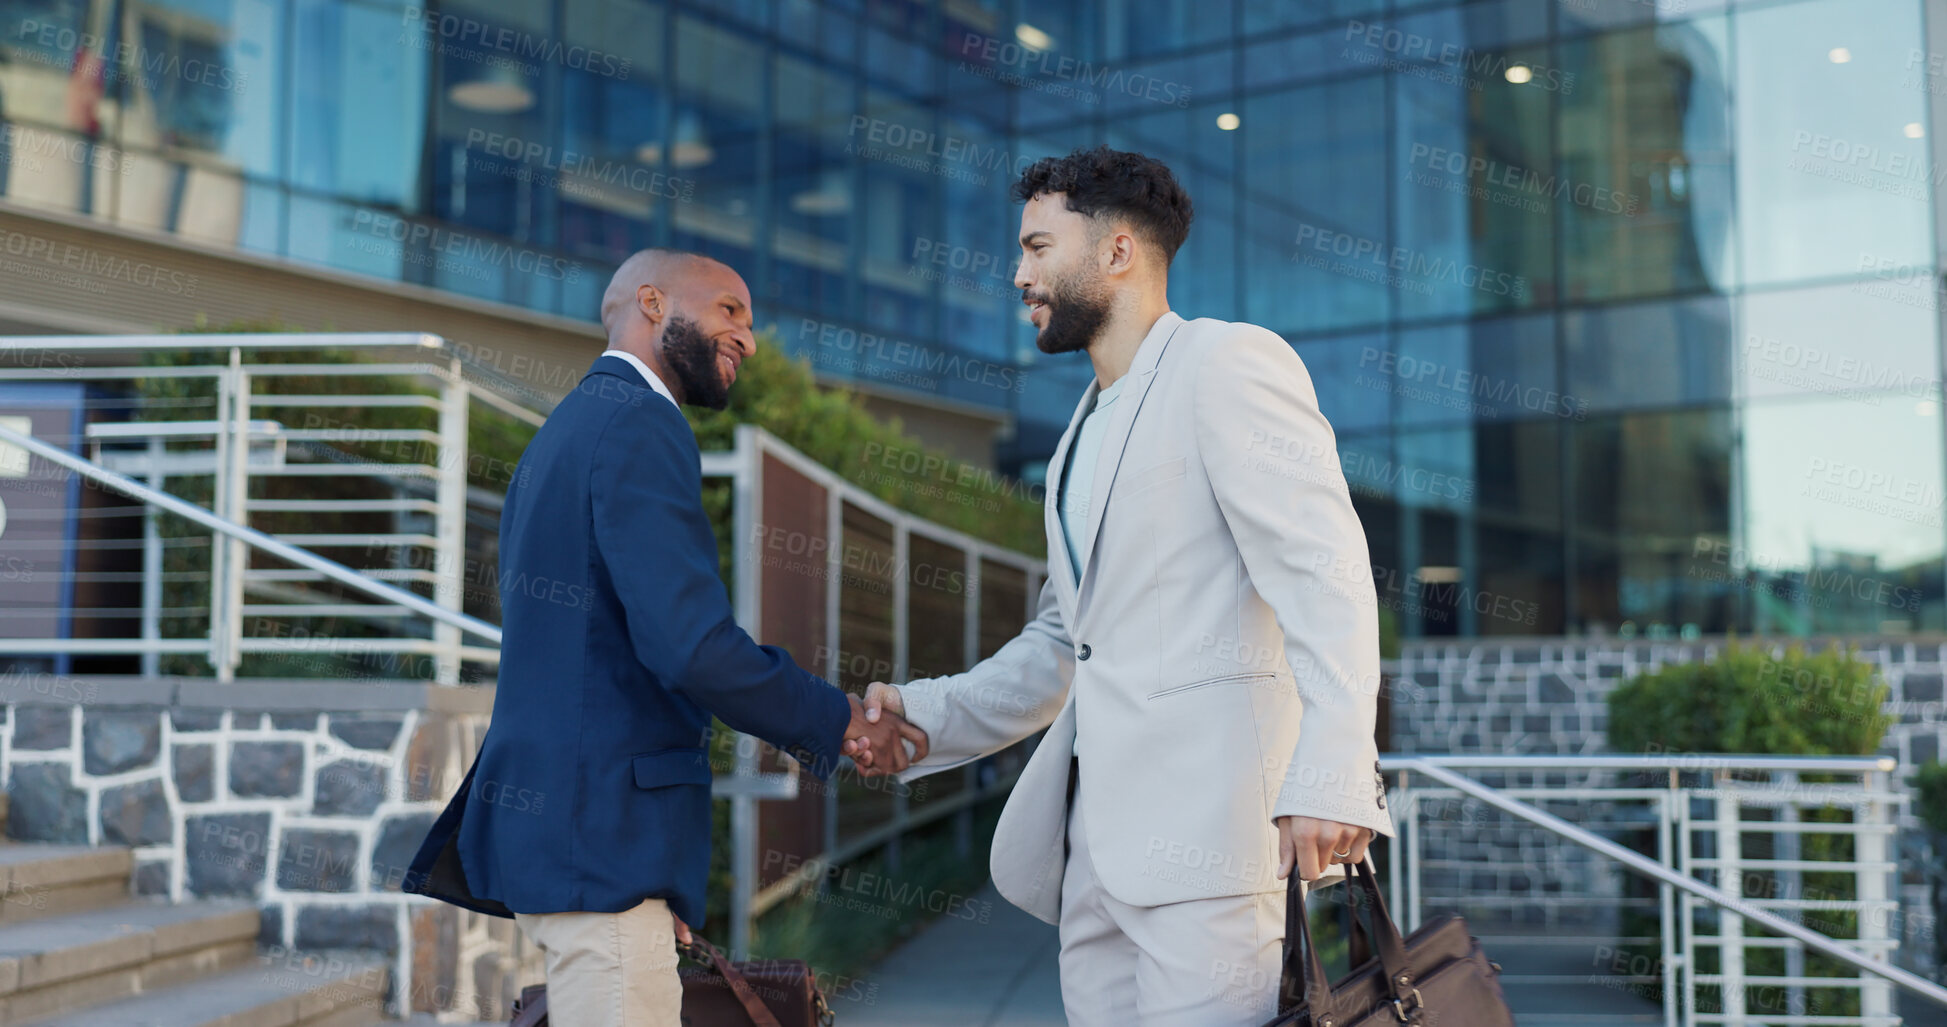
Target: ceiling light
1033 38
1519 74
1228 121
1839 55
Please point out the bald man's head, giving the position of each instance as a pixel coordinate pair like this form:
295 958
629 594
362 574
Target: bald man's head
686 316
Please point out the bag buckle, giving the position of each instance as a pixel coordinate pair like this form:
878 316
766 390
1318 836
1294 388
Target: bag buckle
1405 1015
824 1012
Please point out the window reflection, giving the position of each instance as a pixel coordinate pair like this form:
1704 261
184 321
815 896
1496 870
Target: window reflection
1645 487
1642 181
1316 254
1823 145
1648 354
1842 523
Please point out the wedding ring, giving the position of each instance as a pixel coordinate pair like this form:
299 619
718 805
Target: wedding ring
1342 855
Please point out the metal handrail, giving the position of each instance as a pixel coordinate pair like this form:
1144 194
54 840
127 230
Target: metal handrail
1437 768
284 551
1672 761
244 340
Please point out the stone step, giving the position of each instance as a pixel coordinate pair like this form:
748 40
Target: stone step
320 989
83 959
39 879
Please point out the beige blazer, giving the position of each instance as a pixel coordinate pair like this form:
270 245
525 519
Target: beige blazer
1218 658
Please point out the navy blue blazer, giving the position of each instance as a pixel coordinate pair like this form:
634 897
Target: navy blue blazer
591 791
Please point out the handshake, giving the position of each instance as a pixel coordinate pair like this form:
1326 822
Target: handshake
876 737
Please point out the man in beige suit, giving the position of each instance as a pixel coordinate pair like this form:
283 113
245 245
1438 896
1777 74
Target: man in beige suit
1205 655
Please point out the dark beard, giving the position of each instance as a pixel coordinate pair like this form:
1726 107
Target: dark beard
1074 318
692 357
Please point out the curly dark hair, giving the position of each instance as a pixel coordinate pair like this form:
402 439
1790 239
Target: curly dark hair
1105 181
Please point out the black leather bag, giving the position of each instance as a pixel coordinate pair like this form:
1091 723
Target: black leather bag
1436 977
759 993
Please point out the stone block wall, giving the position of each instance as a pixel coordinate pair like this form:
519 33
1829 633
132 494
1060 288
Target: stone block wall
309 798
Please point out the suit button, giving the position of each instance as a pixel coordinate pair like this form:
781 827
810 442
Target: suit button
1082 653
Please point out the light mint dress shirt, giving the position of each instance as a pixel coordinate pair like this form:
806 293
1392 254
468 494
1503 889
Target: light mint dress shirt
1078 487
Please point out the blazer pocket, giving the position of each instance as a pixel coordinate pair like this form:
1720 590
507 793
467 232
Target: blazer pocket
1173 689
1149 477
671 767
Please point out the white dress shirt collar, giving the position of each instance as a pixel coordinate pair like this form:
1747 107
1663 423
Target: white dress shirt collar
647 375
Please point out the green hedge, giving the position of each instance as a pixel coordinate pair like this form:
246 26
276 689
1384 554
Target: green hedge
1747 701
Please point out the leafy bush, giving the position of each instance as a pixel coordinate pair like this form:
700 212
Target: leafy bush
832 427
1748 701
1930 786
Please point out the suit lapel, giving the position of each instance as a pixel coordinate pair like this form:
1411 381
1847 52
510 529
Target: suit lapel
1051 509
1122 418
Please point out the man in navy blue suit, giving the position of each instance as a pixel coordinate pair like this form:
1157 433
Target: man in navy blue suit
586 814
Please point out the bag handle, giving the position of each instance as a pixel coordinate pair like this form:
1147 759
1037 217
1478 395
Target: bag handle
1306 979
704 952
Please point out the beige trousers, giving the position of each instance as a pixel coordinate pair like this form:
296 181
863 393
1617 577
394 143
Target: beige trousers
1201 963
609 969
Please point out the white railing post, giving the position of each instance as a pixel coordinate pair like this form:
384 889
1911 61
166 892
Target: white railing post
1686 909
220 506
234 486
1730 926
1666 902
450 556
1870 849
834 585
1791 883
747 489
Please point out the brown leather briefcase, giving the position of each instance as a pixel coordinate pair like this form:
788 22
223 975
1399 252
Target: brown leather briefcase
1436 976
756 993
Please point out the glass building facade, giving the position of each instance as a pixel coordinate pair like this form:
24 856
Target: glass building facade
1625 311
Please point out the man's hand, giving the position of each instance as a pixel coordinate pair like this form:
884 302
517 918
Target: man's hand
876 743
682 929
1315 844
881 699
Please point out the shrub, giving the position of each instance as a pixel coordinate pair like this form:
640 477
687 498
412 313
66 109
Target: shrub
1748 701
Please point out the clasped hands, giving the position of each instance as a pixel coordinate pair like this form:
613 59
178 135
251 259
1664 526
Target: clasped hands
876 735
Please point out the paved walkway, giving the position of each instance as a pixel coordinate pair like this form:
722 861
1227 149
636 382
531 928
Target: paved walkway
963 973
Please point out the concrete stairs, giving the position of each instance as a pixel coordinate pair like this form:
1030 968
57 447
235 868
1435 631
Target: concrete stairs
77 949
1562 980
